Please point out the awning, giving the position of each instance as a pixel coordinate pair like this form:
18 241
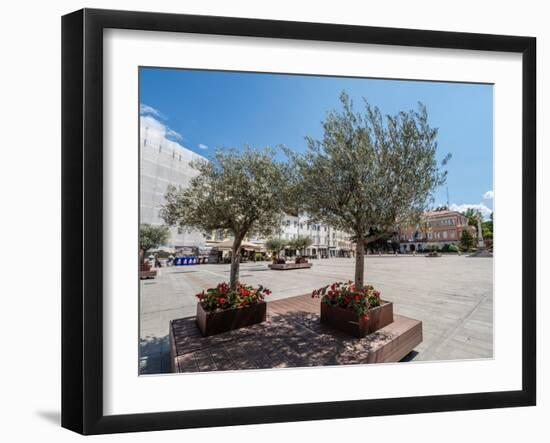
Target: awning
227 245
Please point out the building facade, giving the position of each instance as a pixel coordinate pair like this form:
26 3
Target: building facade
325 240
438 228
164 162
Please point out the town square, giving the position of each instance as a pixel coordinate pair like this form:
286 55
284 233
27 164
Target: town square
342 248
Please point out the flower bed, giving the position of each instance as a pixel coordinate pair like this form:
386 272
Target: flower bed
221 309
356 312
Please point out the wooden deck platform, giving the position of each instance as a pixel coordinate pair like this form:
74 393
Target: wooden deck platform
292 336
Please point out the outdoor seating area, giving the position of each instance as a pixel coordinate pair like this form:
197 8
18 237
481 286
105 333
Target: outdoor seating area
292 336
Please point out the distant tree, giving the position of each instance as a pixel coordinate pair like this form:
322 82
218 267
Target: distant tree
487 228
472 216
151 236
275 245
242 192
369 174
302 242
467 240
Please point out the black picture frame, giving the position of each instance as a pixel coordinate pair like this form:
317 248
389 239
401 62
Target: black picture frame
82 218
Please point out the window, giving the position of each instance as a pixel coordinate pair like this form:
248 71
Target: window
444 234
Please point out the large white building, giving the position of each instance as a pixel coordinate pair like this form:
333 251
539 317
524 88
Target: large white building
163 162
326 241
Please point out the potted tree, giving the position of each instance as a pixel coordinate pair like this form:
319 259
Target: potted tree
243 193
150 237
223 309
380 172
275 245
358 312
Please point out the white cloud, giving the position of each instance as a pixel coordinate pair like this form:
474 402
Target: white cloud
200 145
484 210
149 110
173 134
489 195
152 128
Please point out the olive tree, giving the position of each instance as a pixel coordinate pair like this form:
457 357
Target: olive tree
380 171
151 236
242 192
301 243
275 245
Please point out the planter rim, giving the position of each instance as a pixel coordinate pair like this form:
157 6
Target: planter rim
382 303
229 309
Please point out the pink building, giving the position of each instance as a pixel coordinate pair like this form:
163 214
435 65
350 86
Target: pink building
437 229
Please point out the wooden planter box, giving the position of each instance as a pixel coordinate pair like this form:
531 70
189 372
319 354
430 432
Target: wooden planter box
145 271
288 266
346 320
216 322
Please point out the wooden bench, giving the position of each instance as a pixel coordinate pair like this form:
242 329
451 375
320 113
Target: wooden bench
291 337
289 266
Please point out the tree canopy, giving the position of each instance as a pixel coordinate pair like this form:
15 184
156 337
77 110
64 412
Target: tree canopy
467 240
152 236
301 243
275 245
380 172
243 192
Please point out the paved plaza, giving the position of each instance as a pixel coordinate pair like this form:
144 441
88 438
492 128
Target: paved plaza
451 295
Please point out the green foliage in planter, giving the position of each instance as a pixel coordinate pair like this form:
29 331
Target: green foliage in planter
223 297
152 236
348 296
369 173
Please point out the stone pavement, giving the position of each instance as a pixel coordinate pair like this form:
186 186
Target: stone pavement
451 295
291 337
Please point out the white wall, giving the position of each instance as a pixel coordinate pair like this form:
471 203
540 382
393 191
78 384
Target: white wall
30 190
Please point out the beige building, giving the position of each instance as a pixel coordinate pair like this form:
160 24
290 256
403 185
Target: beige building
437 229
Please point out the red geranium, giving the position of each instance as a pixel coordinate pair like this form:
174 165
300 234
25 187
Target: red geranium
346 296
222 297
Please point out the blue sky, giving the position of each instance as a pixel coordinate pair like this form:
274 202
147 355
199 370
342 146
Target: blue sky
203 110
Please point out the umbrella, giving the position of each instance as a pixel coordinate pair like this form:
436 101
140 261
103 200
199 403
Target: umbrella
227 244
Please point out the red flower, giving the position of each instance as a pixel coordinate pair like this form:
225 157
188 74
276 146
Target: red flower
222 300
365 317
357 297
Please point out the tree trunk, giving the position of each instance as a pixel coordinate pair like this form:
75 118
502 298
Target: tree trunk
235 263
360 263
